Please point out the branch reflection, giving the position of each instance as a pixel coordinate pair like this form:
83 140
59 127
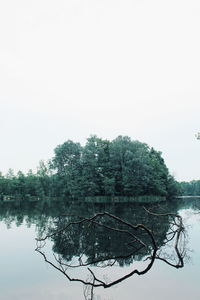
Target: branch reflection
106 240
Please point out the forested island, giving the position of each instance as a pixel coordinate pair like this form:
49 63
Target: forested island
121 167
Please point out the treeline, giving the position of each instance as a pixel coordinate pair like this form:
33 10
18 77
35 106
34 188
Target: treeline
191 188
39 184
121 167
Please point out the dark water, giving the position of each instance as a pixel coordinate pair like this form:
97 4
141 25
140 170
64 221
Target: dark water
25 275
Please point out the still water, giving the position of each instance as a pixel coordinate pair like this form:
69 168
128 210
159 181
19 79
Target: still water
25 275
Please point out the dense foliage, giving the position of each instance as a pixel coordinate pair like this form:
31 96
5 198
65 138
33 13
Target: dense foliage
121 167
191 188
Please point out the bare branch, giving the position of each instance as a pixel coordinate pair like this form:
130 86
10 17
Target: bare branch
176 230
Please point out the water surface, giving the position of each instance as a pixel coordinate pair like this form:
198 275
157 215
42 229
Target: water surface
25 275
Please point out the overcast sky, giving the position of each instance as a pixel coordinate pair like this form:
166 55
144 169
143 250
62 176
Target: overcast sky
71 68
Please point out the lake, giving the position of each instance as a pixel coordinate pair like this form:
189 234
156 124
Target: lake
102 250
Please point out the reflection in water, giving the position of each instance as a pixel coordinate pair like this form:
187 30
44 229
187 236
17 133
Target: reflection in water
101 244
106 240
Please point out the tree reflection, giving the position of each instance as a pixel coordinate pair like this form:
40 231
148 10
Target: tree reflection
106 240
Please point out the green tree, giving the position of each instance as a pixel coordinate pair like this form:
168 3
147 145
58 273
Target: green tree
96 176
130 166
67 162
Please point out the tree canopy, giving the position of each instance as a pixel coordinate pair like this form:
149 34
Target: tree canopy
121 167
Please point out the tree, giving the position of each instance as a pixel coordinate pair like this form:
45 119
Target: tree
158 174
33 187
67 162
44 178
96 167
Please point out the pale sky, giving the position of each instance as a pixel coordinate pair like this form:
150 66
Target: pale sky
71 68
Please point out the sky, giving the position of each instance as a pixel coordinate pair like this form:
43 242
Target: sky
72 68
